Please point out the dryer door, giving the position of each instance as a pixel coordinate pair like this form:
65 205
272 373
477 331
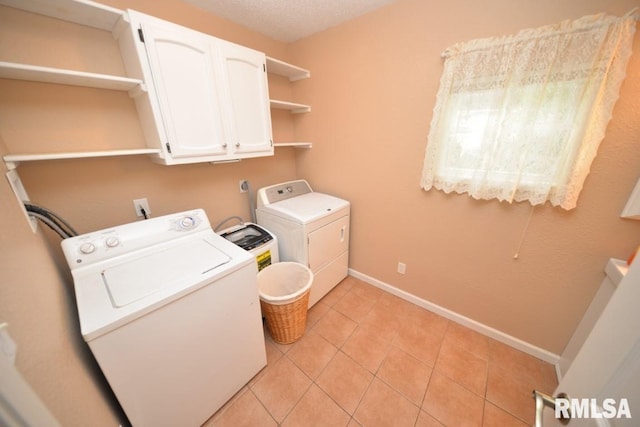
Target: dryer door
328 242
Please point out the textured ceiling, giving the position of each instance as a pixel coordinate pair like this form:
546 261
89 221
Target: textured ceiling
289 20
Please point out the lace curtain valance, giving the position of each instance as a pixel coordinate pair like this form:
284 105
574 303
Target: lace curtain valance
521 117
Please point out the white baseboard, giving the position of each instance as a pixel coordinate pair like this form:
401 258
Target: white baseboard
504 338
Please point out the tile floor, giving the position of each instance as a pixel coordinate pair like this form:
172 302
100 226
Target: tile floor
369 358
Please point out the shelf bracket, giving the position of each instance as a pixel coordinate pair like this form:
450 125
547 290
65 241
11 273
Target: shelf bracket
21 196
137 91
11 165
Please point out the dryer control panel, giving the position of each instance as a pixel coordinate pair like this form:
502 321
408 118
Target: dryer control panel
279 192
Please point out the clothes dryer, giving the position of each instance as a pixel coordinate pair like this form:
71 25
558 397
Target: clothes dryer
312 228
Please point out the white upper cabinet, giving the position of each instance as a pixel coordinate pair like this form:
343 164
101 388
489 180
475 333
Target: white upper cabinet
207 99
184 78
245 77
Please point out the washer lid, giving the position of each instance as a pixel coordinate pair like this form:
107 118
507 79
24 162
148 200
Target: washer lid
307 207
138 278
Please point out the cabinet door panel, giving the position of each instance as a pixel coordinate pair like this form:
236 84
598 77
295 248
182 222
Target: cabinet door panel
184 76
249 126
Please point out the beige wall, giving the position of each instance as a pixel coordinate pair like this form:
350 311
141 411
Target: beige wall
372 92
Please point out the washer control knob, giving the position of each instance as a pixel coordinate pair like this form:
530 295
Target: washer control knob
87 248
112 242
187 222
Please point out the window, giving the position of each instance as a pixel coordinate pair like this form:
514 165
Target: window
521 117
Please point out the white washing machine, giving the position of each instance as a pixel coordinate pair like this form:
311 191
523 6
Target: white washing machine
312 228
171 313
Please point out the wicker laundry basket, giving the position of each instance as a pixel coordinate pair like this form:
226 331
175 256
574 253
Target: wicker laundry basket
284 297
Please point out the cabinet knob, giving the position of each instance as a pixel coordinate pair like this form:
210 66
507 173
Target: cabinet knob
237 144
224 145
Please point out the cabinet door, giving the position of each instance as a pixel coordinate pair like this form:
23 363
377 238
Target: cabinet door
245 82
184 75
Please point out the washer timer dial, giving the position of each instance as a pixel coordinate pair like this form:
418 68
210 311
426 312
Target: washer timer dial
112 242
187 223
87 248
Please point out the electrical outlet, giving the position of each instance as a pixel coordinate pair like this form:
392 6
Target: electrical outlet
402 267
140 204
244 185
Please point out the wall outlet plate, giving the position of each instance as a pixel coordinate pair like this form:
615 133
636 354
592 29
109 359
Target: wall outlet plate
141 203
402 267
